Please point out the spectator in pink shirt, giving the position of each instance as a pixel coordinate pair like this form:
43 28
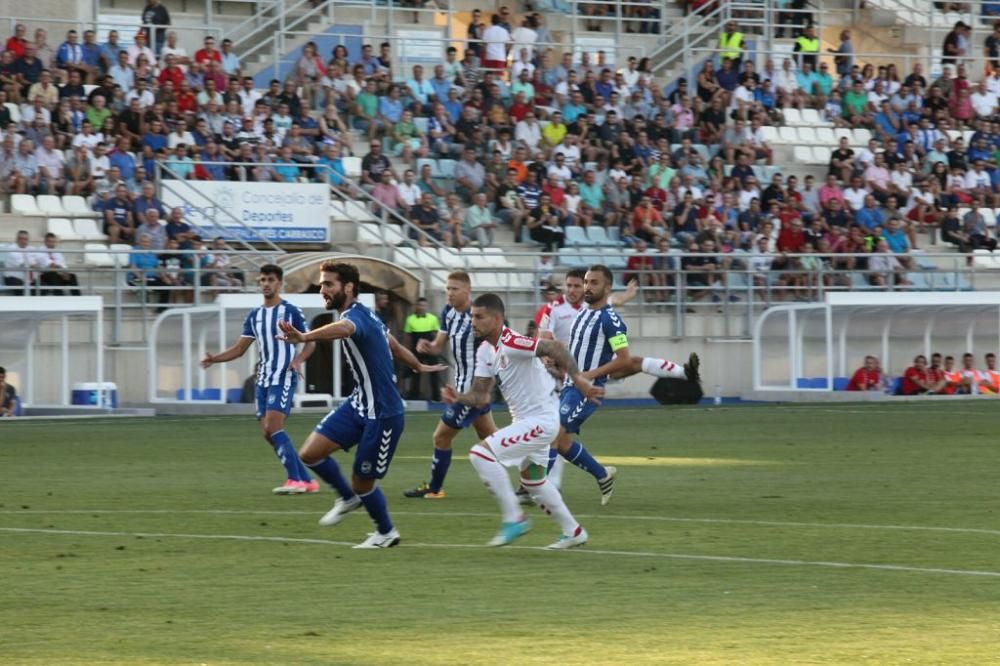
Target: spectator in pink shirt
877 178
831 190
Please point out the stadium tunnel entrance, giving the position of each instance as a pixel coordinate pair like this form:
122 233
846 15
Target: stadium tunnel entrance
377 275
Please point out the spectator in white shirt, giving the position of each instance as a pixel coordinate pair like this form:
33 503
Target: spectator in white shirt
180 54
141 93
53 276
522 64
984 102
19 258
180 135
978 183
497 39
409 192
558 170
529 133
50 165
855 194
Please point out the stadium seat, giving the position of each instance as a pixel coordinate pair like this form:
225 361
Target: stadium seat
983 259
787 135
352 166
953 135
392 234
473 256
812 118
369 233
87 229
576 236
826 137
338 212
989 216
447 168
840 383
488 281
571 258
24 204
919 281
120 254
967 135
15 111
527 239
234 395
435 171
406 257
821 155
357 211
62 228
861 136
598 235
802 154
494 256
76 206
97 256
841 132
792 116
807 135
615 262
49 204
450 259
770 134
422 124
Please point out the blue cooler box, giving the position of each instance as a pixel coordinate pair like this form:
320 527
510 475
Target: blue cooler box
94 394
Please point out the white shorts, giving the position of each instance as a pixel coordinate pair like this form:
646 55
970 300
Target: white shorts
525 441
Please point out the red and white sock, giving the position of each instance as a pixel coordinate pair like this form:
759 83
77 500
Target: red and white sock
549 500
659 367
495 478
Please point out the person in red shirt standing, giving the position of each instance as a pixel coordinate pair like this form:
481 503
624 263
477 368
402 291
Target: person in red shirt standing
868 377
17 42
209 52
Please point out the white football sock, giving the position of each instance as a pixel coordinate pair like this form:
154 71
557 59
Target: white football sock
495 477
549 500
556 473
659 367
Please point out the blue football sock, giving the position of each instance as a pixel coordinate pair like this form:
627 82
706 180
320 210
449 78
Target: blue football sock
328 470
580 457
553 454
440 462
285 450
374 502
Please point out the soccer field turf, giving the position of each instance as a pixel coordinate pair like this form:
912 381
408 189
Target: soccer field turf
849 534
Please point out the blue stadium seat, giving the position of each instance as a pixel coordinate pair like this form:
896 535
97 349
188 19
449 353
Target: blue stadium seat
234 395
447 168
576 237
598 235
802 383
210 394
435 172
840 383
615 261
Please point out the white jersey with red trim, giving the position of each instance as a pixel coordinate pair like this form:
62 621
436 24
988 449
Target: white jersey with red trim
558 317
526 385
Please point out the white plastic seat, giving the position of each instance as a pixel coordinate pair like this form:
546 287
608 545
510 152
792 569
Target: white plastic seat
24 204
802 154
473 256
391 234
120 254
494 256
338 212
807 136
770 133
953 135
967 135
62 228
861 136
369 233
825 136
15 111
76 206
989 216
357 211
97 255
450 258
87 229
792 116
487 281
841 132
50 204
788 135
406 257
352 166
812 118
821 155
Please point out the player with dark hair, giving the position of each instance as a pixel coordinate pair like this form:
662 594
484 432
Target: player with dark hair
372 417
277 373
530 392
456 329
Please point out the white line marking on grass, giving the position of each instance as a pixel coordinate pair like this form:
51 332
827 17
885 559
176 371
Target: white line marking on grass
474 514
614 553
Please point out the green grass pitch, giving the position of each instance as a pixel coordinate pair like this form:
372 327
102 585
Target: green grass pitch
848 534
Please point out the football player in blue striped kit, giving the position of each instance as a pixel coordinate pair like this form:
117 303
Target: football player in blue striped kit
277 373
599 344
372 416
456 329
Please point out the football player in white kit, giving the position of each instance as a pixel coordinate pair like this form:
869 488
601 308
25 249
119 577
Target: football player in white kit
532 396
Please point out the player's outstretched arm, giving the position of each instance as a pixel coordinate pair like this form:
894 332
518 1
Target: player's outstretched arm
435 348
631 290
478 394
564 363
333 331
239 348
406 357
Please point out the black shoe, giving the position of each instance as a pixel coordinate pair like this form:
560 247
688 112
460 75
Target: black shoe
420 491
691 369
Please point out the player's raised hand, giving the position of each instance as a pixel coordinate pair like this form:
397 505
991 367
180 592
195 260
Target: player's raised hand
437 367
289 333
207 361
449 395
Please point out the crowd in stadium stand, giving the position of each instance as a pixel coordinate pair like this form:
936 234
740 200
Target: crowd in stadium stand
529 138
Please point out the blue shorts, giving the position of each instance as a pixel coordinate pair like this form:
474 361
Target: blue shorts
574 409
459 417
376 438
275 398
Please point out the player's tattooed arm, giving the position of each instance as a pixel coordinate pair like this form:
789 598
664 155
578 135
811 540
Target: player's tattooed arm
478 394
564 363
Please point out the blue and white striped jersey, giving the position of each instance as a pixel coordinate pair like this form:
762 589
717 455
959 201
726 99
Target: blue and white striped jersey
275 355
375 395
458 326
595 337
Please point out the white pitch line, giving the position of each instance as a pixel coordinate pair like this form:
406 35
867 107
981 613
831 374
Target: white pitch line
617 553
472 514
